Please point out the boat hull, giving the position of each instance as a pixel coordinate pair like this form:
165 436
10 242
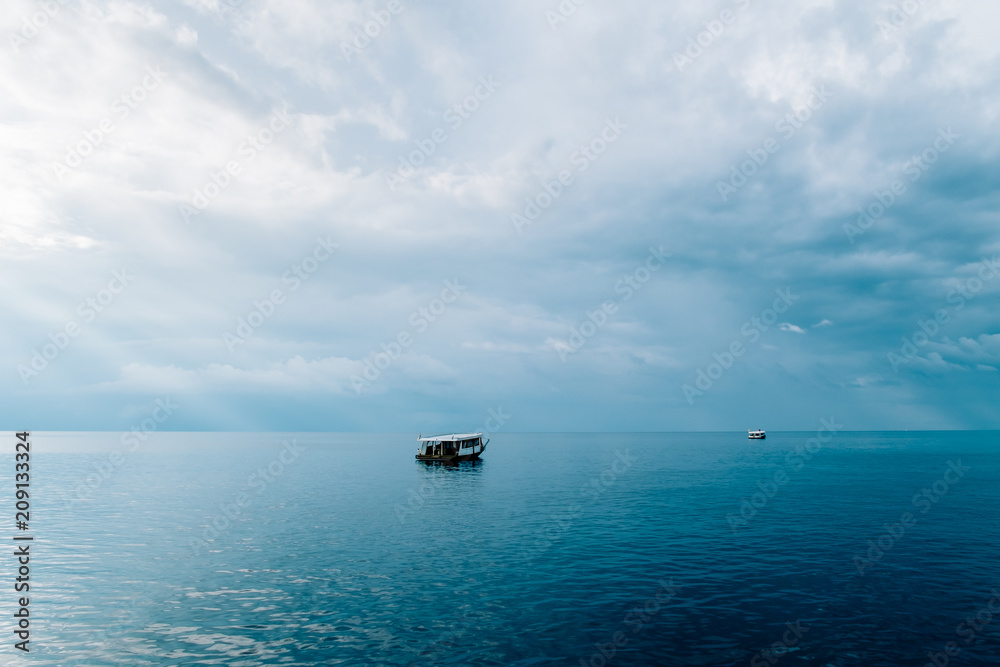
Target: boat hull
457 458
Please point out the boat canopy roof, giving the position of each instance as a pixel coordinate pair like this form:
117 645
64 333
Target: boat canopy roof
453 437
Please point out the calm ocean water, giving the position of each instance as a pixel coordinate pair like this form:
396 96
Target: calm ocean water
565 549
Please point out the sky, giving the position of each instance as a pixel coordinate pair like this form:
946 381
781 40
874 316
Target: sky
530 215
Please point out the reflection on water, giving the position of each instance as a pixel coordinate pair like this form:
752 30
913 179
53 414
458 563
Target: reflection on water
453 464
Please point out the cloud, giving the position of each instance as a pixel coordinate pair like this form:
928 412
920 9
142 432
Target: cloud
296 375
868 381
331 375
229 68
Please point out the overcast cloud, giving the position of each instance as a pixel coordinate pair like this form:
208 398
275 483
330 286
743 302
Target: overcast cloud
578 213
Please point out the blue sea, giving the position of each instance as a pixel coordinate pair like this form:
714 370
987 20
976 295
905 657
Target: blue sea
833 548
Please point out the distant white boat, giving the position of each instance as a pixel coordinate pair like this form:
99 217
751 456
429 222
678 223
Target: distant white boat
756 435
452 448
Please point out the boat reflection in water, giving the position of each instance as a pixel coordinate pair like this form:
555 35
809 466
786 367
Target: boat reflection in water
453 448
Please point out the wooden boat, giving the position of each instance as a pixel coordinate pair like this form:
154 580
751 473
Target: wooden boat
756 435
451 448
